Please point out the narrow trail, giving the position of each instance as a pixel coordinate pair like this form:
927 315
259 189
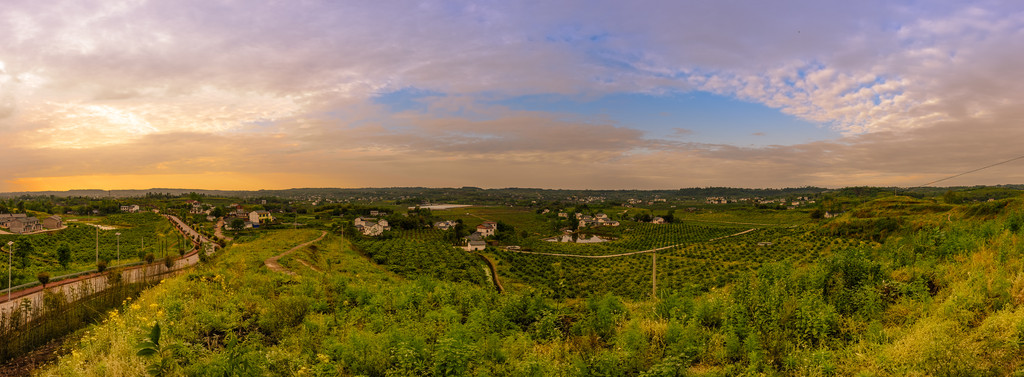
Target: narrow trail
733 222
311 267
218 231
733 235
629 253
273 265
494 272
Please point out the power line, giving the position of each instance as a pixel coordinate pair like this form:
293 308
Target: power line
969 172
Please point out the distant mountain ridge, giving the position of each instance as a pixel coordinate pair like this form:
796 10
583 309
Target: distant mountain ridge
435 192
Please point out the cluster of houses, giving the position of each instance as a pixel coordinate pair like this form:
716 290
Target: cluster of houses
599 219
252 219
790 204
633 202
475 241
371 226
196 207
20 223
131 208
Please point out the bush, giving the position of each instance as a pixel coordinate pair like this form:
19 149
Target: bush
288 311
43 277
101 266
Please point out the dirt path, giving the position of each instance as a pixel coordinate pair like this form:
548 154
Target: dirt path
218 231
311 267
273 265
494 272
732 222
629 253
734 235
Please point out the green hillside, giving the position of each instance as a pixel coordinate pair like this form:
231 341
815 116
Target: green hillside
892 287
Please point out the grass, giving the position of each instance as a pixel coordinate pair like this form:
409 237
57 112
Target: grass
935 297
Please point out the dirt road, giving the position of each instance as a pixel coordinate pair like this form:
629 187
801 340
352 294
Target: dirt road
273 265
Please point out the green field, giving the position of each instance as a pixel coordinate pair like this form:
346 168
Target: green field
893 287
150 229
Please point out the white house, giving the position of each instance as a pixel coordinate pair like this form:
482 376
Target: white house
444 225
370 226
133 208
487 228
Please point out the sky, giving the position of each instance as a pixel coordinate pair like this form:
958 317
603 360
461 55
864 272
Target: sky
212 94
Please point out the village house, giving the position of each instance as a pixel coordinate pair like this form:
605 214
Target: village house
658 220
260 217
444 225
474 242
829 215
369 226
487 228
23 225
53 222
563 214
6 218
132 208
196 207
239 213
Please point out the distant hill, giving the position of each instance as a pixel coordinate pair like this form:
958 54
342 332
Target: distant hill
441 193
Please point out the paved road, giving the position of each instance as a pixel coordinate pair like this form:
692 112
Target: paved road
76 288
629 253
273 265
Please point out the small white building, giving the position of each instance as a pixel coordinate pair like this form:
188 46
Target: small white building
132 208
371 226
444 225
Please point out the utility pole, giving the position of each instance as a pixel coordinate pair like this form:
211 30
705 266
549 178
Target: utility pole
118 248
654 275
10 262
97 247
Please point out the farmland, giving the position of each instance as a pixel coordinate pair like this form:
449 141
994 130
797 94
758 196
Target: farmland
884 289
141 234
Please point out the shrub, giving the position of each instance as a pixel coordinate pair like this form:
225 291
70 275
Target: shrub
43 277
101 266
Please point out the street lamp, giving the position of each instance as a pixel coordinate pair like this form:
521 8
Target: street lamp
118 234
10 262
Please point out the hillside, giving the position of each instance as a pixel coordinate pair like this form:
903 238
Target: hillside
939 292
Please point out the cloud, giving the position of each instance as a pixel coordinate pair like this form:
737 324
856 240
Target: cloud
196 87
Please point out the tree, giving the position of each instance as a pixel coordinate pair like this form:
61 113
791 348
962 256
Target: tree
64 255
237 224
44 277
23 249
